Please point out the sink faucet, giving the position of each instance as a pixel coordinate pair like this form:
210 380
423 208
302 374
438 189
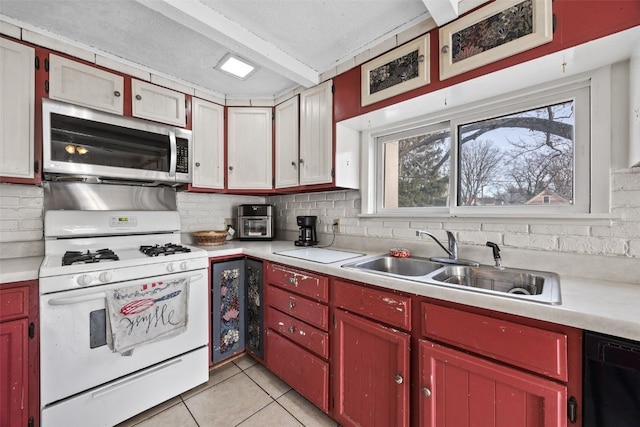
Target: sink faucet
496 255
452 251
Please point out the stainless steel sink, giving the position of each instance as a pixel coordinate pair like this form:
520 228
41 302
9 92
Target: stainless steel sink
401 267
529 285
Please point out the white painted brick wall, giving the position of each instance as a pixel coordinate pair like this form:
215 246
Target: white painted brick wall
201 211
619 238
21 208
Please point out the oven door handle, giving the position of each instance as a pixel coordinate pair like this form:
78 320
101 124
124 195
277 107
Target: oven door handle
90 297
76 300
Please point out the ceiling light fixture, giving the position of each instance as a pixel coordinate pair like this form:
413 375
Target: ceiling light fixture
237 67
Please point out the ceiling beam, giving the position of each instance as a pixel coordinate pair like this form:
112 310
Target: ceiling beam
442 11
221 30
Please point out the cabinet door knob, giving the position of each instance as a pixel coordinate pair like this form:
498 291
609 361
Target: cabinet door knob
230 168
426 392
301 161
293 164
197 164
291 329
138 97
116 93
399 379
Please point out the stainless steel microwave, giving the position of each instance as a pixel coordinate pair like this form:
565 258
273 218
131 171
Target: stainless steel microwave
83 143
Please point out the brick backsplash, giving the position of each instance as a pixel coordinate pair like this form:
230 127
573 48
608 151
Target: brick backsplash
619 237
21 221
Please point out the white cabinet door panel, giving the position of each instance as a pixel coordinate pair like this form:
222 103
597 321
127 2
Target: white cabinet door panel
208 144
249 151
80 84
157 103
17 85
316 134
287 143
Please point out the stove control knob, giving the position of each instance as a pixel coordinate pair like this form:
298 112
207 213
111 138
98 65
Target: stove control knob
84 280
105 276
184 265
171 268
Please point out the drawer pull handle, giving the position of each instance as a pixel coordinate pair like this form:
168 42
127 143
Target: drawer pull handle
399 379
293 280
292 303
291 329
426 392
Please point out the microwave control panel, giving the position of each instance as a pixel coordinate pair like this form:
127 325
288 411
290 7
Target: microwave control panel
182 156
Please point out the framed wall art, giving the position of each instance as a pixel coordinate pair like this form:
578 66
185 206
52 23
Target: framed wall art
499 30
402 69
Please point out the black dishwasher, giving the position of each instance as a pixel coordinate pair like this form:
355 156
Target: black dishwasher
611 381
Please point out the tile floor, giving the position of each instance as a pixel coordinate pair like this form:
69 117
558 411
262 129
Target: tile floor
241 393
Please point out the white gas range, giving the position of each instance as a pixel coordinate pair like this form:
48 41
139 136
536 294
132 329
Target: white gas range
89 257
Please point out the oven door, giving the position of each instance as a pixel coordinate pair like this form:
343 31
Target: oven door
73 349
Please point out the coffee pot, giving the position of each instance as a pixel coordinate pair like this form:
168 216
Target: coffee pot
307 233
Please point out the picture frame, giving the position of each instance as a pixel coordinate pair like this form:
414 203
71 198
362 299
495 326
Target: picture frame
400 70
499 30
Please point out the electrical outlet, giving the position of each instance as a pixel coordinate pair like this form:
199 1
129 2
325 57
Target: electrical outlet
336 225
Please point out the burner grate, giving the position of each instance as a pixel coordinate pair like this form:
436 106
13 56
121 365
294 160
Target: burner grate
74 257
167 249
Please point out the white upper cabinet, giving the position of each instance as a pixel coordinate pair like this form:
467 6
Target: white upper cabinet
249 148
17 81
157 103
287 128
208 144
316 134
80 84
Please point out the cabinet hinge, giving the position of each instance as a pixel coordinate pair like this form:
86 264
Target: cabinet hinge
31 422
572 410
36 167
46 64
333 172
333 89
32 330
554 20
46 86
37 63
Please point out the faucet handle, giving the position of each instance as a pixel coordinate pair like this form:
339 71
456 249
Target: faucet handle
496 254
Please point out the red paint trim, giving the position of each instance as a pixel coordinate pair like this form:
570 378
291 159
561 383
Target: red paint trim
578 22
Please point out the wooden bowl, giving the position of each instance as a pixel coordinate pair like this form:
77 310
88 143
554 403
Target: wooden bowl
210 238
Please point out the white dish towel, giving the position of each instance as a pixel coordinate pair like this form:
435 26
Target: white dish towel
146 313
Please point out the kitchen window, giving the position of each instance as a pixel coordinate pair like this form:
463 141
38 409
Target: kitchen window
528 154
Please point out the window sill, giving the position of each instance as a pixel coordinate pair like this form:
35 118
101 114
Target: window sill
583 218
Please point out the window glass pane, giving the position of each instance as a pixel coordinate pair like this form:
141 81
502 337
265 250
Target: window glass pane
416 170
525 158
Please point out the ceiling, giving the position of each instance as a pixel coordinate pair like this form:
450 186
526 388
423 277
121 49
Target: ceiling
291 41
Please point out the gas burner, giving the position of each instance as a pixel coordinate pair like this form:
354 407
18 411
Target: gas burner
167 249
73 257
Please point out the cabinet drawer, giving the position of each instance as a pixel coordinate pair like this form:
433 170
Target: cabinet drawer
530 348
299 307
306 373
386 307
14 303
298 281
299 332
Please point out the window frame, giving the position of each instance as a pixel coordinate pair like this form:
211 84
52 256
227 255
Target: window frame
586 173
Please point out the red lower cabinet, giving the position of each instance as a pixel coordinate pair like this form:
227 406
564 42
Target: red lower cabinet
306 373
371 375
461 390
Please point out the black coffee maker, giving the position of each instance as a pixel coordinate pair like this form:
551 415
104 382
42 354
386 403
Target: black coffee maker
307 235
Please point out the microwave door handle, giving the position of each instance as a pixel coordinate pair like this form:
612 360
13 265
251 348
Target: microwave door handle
174 156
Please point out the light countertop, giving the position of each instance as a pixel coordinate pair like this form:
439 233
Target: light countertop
593 304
